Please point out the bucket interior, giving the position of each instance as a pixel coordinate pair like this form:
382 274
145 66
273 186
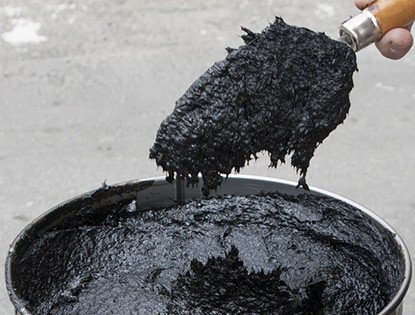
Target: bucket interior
58 261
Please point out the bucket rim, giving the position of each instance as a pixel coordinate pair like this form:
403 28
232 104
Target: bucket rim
393 305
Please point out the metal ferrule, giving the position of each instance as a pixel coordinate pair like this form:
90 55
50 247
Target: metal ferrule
360 31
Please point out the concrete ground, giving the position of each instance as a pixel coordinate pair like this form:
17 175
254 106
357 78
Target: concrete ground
85 84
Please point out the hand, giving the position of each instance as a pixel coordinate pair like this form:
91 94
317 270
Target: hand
394 44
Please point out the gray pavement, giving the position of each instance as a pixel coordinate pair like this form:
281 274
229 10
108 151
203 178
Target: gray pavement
85 84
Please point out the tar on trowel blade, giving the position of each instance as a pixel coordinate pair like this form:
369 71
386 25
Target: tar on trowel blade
282 92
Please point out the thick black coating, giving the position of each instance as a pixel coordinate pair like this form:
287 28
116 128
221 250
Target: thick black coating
283 92
225 284
270 254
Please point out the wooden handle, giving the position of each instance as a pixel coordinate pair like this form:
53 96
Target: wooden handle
392 13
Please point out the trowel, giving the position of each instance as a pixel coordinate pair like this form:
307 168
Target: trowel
375 21
282 92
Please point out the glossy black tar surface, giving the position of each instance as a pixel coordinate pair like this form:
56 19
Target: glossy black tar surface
267 254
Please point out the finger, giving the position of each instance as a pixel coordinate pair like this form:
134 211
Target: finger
396 43
361 4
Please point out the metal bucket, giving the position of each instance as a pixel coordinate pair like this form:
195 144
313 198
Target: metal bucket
158 193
